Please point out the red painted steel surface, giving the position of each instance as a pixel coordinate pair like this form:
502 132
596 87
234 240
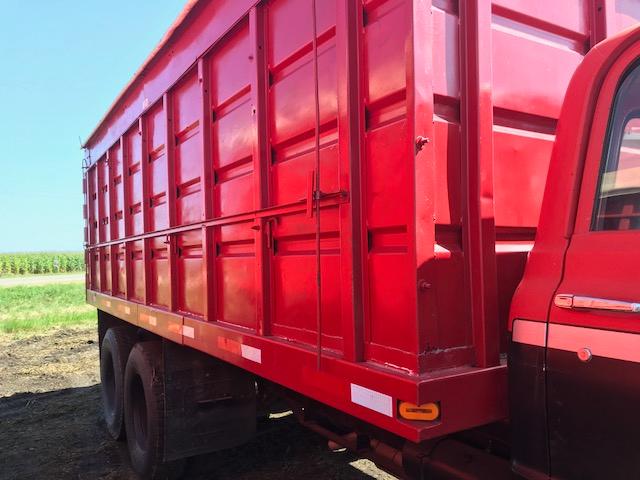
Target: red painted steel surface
436 122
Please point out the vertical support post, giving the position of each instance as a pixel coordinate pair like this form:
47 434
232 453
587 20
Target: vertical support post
111 161
85 215
598 16
111 227
350 131
127 266
476 115
113 220
100 199
126 191
89 205
260 165
169 147
206 187
113 270
420 117
206 178
208 273
144 167
146 213
126 213
102 229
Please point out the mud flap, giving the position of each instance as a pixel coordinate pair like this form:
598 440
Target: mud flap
210 405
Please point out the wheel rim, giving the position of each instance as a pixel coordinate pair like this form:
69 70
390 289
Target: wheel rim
139 412
109 383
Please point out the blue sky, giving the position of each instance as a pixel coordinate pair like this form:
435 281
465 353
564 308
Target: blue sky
61 65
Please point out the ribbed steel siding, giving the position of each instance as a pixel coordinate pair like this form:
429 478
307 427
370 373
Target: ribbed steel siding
223 130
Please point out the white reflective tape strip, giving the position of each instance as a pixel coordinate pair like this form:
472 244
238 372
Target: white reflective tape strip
188 331
251 353
530 333
153 321
126 309
602 343
514 247
107 303
437 248
371 399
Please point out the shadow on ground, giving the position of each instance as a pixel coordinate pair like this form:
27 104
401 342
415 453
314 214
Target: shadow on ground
60 435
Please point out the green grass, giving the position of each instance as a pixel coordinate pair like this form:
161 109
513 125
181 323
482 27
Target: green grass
40 262
38 307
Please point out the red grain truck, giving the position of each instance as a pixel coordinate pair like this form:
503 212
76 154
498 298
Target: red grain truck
331 204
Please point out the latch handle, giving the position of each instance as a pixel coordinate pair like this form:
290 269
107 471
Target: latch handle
577 302
311 187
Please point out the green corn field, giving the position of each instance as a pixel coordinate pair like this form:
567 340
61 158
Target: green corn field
42 262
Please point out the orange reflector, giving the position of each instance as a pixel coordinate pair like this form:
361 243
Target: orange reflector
426 411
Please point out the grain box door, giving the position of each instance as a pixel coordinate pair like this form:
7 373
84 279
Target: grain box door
300 148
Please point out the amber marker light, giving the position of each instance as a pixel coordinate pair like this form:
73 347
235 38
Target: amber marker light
425 412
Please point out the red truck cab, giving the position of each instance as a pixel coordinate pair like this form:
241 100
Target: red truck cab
573 361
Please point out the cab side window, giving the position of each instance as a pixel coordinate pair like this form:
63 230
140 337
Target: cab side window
618 199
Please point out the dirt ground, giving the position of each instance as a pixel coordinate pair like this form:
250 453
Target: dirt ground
51 425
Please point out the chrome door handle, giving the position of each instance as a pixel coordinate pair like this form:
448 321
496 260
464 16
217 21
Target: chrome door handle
564 300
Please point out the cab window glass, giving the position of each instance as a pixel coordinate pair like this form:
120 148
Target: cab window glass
618 199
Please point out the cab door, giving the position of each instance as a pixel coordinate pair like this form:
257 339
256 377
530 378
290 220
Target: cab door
593 336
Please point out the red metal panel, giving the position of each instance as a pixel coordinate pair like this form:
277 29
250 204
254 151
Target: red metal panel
528 89
388 180
104 229
159 288
94 268
119 260
135 201
294 273
188 155
105 269
189 295
292 115
232 126
92 207
236 275
116 176
136 269
157 168
292 128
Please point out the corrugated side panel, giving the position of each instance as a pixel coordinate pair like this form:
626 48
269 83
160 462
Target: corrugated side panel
536 47
229 138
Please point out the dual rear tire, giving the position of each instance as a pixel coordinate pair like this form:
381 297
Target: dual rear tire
133 400
114 352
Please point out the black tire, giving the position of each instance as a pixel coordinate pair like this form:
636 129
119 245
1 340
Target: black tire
144 413
114 351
